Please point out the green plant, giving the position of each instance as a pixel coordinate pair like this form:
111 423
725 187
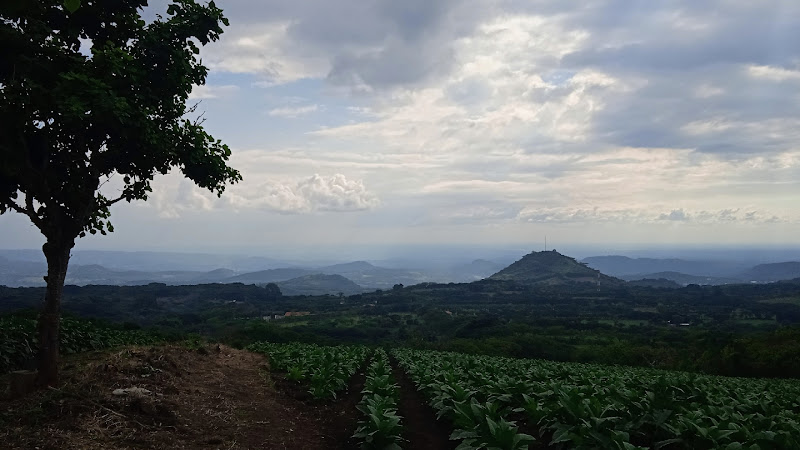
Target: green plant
326 370
587 406
380 427
19 338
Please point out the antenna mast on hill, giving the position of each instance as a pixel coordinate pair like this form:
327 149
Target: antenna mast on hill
545 242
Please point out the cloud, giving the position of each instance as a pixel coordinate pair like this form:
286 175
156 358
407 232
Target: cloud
727 216
173 196
317 193
391 43
677 215
568 215
773 73
264 50
211 91
292 112
677 75
665 114
644 216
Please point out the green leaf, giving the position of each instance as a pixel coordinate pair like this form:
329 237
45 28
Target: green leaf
664 443
562 435
72 5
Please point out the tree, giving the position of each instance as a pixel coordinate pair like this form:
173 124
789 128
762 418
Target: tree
76 119
273 291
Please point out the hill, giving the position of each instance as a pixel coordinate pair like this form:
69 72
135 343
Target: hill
268 276
551 267
619 266
684 279
375 277
319 284
773 272
355 266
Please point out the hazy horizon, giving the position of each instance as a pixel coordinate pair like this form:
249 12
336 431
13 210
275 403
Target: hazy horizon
409 256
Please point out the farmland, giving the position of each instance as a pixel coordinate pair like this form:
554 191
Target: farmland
379 398
19 340
497 402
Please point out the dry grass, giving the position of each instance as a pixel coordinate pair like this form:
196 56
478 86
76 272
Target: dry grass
212 397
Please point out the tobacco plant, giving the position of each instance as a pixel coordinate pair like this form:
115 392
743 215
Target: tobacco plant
380 426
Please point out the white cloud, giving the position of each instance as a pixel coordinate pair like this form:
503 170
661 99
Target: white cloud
678 215
317 193
210 91
644 216
292 112
174 195
265 50
773 73
701 127
559 215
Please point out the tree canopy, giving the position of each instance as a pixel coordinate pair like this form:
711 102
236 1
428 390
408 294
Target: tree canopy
95 94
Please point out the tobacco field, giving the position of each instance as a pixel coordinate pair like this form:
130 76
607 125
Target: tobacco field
505 403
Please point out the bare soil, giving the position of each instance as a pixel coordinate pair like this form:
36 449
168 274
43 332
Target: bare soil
215 397
420 428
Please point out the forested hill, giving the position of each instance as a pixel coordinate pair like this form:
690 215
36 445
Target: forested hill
551 267
773 272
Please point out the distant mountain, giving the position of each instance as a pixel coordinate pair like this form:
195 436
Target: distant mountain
684 279
355 266
215 276
21 272
319 284
551 267
269 276
154 261
97 274
619 266
374 277
773 272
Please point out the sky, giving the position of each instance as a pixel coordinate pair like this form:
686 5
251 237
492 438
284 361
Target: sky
359 123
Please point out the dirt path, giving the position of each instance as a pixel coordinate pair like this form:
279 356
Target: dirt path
421 429
204 399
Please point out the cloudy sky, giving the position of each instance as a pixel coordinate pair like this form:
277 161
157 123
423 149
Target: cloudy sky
362 122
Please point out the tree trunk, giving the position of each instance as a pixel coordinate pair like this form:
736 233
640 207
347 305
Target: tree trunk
57 254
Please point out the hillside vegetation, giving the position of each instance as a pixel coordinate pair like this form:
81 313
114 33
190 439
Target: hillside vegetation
551 267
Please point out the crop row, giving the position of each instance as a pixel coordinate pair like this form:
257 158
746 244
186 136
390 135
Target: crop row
19 339
490 399
326 370
478 422
380 426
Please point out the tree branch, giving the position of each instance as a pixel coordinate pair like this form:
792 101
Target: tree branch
111 202
31 212
108 202
14 206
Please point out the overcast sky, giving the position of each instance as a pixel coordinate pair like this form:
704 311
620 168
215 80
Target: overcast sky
361 122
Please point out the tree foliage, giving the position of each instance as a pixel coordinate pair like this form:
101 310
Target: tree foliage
99 94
